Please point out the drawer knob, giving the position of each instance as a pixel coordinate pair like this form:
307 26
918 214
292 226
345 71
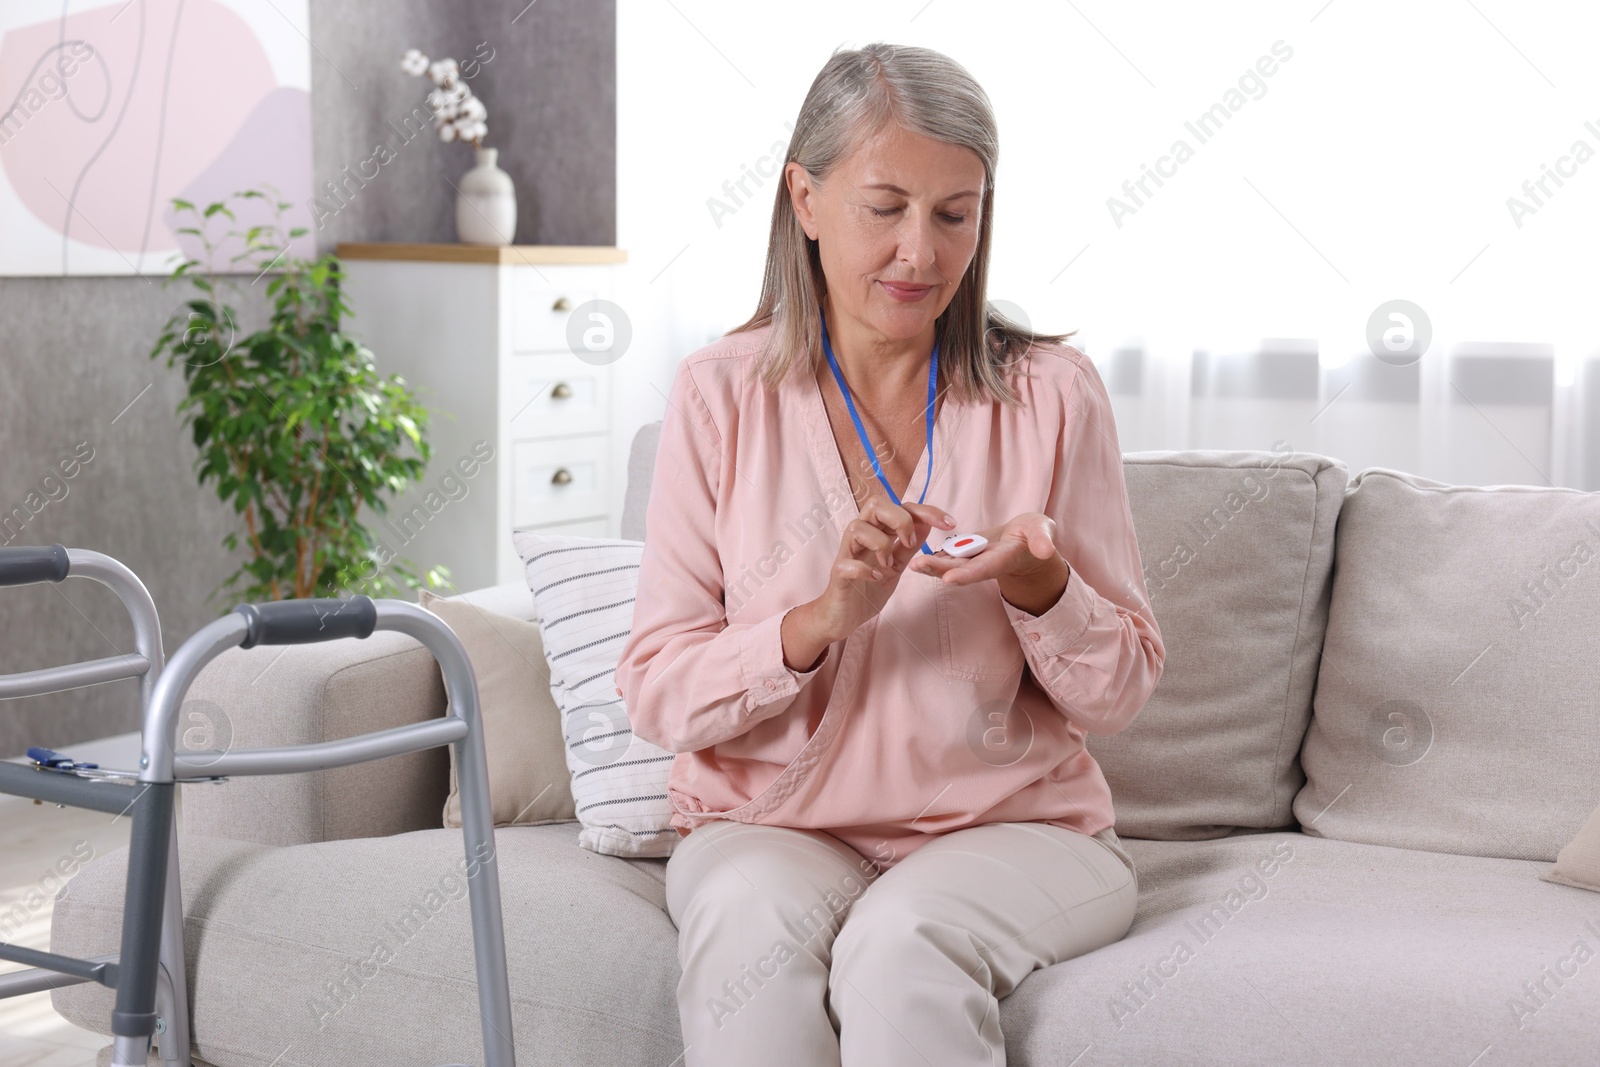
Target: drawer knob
562 476
561 304
560 391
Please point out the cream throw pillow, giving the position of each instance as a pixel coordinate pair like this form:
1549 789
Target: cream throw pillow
528 780
1578 862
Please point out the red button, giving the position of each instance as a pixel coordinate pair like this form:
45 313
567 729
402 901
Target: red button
963 543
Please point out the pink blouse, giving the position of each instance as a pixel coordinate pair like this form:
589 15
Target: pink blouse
950 708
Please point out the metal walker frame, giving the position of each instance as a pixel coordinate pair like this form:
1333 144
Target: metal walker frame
149 973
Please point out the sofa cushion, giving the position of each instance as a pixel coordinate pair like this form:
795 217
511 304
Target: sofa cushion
1237 549
1455 707
360 951
1270 948
1344 953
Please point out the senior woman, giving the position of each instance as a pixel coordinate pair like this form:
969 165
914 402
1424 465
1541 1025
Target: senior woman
890 815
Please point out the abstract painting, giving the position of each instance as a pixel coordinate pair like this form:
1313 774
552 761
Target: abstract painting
113 109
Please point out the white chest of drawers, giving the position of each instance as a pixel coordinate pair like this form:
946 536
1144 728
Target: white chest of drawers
521 426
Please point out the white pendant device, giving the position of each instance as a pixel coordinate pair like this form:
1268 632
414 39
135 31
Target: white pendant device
963 545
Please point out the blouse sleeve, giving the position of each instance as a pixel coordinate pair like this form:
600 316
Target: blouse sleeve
689 678
1097 652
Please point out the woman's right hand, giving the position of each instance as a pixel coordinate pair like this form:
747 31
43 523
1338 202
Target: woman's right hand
874 549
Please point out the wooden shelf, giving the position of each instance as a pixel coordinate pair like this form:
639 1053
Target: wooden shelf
459 253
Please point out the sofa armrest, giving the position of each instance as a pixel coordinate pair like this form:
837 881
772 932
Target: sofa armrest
305 694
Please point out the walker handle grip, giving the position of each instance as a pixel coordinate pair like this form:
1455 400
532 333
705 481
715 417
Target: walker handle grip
304 622
25 565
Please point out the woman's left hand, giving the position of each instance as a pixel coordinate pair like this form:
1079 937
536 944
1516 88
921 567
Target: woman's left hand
1021 556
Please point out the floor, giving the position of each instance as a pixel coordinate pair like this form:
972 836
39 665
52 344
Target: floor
33 838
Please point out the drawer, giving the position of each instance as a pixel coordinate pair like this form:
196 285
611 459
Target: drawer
559 480
543 308
555 395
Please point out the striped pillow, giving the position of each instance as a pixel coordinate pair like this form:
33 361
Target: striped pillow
584 589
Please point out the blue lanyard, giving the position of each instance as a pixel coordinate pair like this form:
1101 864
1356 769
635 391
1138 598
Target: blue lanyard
861 431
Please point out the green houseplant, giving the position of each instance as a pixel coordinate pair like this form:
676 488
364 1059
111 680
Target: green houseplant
295 427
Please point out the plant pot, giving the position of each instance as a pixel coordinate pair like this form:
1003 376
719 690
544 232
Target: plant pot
486 203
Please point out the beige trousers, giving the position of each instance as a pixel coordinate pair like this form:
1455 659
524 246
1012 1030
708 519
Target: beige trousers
797 951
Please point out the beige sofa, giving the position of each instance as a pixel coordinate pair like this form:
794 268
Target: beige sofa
1364 752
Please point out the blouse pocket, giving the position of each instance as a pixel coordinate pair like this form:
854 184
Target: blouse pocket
975 635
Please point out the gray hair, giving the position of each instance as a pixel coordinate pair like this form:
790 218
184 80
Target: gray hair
857 93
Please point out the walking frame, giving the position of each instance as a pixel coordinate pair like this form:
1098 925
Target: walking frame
148 973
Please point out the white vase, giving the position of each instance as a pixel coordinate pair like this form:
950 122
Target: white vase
486 203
